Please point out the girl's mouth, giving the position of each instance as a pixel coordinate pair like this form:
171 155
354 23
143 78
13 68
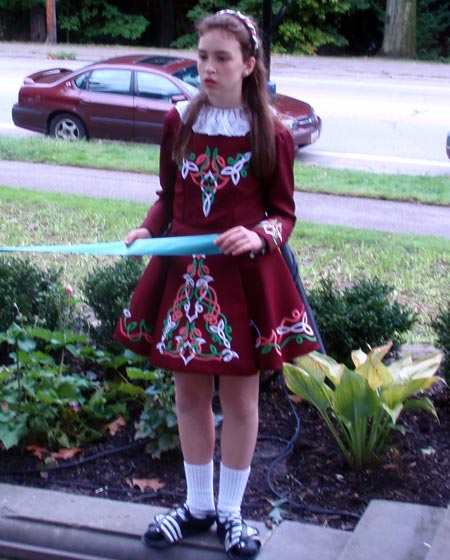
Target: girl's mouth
209 83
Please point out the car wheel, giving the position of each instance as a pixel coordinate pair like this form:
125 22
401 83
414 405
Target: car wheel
67 127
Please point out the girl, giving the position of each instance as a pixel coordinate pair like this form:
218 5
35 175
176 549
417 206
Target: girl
226 166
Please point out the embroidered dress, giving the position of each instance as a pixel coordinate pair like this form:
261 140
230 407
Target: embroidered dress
221 314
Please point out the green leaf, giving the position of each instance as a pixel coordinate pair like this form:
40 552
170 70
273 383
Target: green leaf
320 366
138 373
12 432
98 398
354 399
67 391
22 357
42 358
423 403
377 375
4 373
405 369
398 394
49 396
310 387
26 345
394 412
133 390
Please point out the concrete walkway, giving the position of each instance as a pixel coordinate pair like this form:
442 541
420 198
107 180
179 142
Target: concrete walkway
45 525
381 215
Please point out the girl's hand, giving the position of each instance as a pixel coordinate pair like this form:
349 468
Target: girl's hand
139 233
239 240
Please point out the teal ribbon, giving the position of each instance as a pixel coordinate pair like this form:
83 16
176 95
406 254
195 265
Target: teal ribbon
164 246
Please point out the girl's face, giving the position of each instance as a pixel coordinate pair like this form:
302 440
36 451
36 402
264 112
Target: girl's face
222 68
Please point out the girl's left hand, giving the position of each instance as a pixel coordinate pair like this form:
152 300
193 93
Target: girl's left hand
239 240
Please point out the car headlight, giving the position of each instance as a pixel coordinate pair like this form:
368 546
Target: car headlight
291 123
295 124
309 121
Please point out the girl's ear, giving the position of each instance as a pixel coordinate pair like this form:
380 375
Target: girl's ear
249 66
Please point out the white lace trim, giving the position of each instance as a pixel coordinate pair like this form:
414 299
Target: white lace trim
215 121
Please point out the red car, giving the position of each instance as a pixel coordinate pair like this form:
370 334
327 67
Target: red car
126 98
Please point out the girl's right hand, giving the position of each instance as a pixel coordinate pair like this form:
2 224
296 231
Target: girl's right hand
139 233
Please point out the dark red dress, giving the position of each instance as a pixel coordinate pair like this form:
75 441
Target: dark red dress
219 315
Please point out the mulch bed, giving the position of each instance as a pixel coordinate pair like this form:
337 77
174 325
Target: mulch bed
311 483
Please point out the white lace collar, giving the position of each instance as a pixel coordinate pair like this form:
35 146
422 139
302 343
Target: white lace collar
215 121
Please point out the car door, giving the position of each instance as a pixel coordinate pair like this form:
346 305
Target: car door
154 95
106 104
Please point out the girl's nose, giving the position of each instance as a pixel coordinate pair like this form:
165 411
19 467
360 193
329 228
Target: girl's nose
210 68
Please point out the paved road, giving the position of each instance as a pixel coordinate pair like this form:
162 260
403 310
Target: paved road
396 217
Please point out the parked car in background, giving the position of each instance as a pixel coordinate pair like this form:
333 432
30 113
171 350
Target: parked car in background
126 98
448 144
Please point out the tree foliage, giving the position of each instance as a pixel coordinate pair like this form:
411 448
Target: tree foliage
309 26
91 20
306 27
433 29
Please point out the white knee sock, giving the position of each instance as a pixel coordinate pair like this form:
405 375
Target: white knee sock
200 489
231 491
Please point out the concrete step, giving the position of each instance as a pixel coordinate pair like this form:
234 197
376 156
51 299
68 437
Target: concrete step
394 531
38 524
440 547
301 541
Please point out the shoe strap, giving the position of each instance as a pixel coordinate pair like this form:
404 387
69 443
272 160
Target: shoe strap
237 532
170 524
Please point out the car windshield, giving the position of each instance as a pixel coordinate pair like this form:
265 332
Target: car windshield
190 77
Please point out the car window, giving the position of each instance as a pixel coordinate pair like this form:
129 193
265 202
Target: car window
190 76
154 86
82 80
110 81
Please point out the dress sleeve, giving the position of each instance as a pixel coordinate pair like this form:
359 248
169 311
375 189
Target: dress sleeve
160 214
279 202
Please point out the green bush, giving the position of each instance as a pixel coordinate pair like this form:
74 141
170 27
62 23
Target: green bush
33 293
107 291
361 316
441 326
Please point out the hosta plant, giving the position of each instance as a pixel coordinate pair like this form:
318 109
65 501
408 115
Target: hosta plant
361 406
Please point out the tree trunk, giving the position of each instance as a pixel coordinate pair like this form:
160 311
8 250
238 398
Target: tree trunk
50 14
400 29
